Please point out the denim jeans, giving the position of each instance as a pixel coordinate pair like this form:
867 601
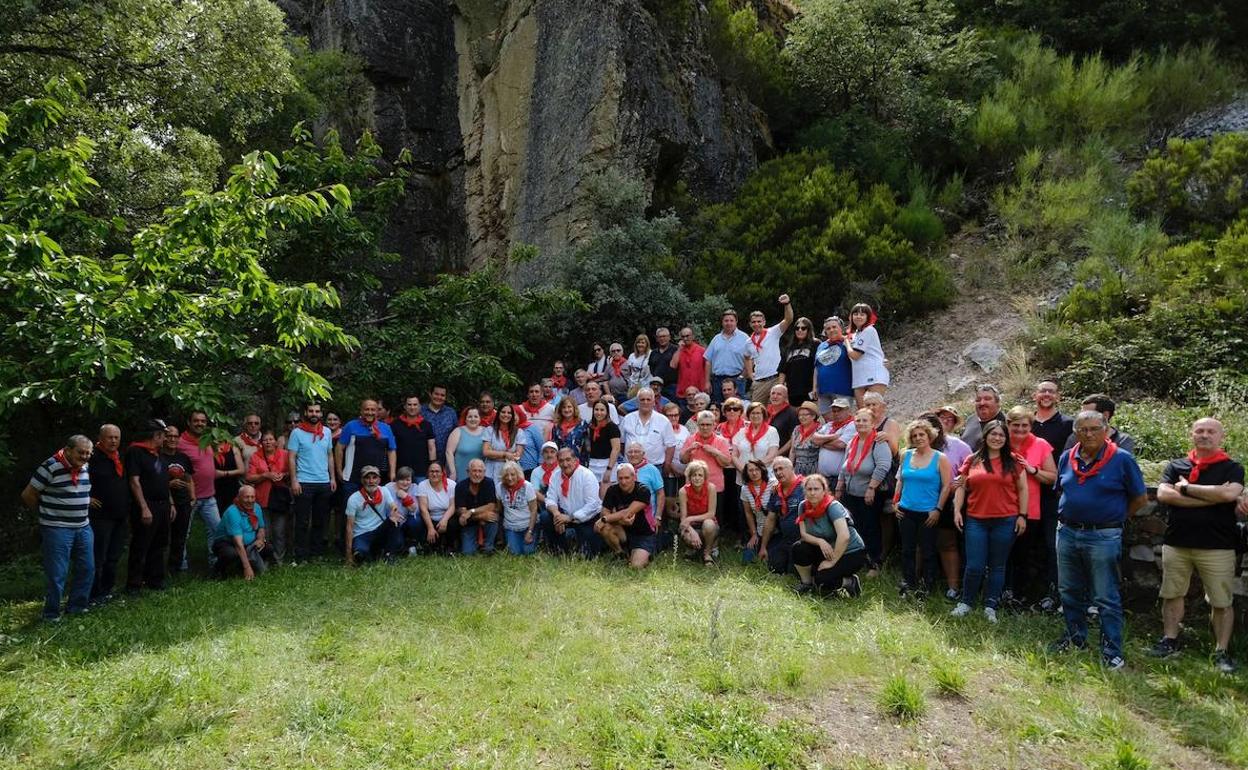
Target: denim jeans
61 545
110 540
311 516
1087 569
988 543
516 545
206 508
578 537
385 540
917 536
468 536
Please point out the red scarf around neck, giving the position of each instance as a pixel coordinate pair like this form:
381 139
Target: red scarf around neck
697 501
858 451
223 450
248 440
730 429
804 434
529 411
115 456
617 364
317 430
775 409
412 422
512 492
507 433
836 426
756 338
63 460
756 492
373 427
559 381
547 472
816 511
1109 451
595 428
753 436
786 494
567 426
1200 463
250 510
373 499
144 446
567 478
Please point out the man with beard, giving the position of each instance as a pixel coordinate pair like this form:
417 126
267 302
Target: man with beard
312 480
413 440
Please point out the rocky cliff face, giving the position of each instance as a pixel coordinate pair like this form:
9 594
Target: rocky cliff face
510 106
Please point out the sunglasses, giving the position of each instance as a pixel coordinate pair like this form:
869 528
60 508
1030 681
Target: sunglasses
802 328
732 409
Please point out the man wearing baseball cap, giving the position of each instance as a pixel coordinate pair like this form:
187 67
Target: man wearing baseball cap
373 520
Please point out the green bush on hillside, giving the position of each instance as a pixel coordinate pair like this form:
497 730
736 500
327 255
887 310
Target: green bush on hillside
800 224
1196 185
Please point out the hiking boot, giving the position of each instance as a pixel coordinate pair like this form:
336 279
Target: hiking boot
802 589
1222 662
962 610
1165 647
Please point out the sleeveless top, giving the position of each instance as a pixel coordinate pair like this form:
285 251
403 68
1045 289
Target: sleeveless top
470 448
920 489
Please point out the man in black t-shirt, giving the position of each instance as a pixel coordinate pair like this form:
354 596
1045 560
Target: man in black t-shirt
627 517
150 511
182 490
476 511
414 443
110 508
1200 491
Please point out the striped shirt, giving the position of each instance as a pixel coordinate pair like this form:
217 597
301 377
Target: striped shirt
62 503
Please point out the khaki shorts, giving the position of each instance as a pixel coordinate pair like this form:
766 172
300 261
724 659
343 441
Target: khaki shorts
1216 568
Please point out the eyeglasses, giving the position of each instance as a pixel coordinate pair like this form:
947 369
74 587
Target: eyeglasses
732 409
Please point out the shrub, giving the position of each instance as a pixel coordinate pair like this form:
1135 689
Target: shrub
902 698
749 56
800 225
1198 184
950 680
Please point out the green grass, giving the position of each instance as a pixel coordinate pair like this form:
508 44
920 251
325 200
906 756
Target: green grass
510 662
903 699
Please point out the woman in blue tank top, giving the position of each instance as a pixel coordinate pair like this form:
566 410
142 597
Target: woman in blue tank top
923 484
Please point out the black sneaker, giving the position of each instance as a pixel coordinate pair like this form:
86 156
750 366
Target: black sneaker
801 588
855 586
1047 604
1222 662
904 590
1114 663
1066 643
1165 647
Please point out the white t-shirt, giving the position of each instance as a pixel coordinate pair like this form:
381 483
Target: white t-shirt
682 435
516 510
366 518
587 413
438 500
655 435
767 353
869 370
831 460
769 439
542 417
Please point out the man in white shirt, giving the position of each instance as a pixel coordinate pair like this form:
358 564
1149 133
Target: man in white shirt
538 410
650 429
574 506
765 342
593 393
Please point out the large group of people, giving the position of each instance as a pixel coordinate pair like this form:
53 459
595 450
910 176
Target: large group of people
787 451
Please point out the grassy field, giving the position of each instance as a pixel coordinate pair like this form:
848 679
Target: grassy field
543 662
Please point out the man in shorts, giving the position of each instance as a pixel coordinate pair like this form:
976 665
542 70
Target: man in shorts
628 518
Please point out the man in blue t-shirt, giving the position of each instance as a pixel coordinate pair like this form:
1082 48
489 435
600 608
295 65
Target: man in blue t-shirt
729 356
1100 486
834 373
312 480
365 441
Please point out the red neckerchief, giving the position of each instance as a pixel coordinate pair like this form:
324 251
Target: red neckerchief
695 499
250 510
638 466
567 426
567 478
818 511
317 430
752 437
412 422
408 500
487 420
784 496
836 426
559 381
616 367
278 455
512 492
523 408
145 447
335 435
804 435
222 451
729 432
374 499
855 458
1109 451
547 472
757 495
248 440
115 456
756 338
595 428
372 426
1200 463
73 472
775 409
522 421
505 433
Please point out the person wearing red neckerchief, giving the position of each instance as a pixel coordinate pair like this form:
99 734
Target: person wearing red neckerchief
536 409
248 440
542 474
151 509
365 441
267 476
414 444
110 508
756 440
866 354
1100 485
60 490
829 552
559 381
182 490
313 480
765 342
699 501
518 501
573 502
781 416
628 518
1199 491
803 450
373 520
241 539
780 530
205 472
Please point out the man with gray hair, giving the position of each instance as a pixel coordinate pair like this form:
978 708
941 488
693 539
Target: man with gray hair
987 409
110 507
650 429
1100 486
60 490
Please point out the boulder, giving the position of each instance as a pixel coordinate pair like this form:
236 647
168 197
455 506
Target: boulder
984 353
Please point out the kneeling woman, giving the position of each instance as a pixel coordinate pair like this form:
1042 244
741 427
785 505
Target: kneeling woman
240 537
698 526
830 552
519 501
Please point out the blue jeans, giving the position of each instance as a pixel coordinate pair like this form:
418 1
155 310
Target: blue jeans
1087 569
468 537
717 388
516 545
208 512
988 544
579 537
60 546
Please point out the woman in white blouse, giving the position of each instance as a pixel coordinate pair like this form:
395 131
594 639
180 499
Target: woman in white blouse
436 495
757 440
866 353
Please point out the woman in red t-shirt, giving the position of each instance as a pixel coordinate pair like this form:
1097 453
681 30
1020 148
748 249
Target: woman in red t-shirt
995 492
698 498
267 472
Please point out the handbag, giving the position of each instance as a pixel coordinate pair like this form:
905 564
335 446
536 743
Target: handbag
280 499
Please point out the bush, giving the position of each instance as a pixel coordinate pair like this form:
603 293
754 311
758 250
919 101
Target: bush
950 679
801 226
1196 185
749 56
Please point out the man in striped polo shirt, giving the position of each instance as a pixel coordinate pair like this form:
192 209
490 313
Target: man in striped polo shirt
60 490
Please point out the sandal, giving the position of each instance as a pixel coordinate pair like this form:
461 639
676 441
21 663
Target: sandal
708 560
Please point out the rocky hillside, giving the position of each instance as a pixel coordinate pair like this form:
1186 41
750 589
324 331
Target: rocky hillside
509 106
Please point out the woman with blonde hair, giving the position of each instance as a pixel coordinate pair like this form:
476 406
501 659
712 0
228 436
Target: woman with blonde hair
637 367
698 498
924 481
830 551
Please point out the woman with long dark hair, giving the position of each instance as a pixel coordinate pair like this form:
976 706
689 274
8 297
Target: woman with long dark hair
866 352
797 370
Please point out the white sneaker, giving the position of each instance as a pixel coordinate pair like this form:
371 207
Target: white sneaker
411 550
962 610
991 614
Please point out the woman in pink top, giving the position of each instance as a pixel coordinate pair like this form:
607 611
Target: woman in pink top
266 472
709 447
1028 568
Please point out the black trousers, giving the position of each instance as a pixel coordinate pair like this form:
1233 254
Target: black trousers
808 555
179 531
311 517
228 561
149 544
110 541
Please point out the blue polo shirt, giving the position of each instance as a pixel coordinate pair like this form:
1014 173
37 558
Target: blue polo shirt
234 523
531 453
1103 498
727 356
651 478
363 449
312 459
